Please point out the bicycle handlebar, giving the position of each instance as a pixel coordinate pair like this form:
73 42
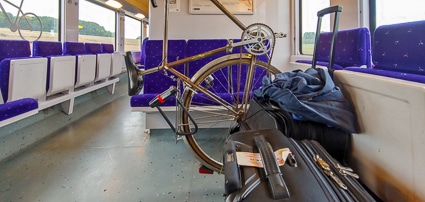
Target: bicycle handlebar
154 3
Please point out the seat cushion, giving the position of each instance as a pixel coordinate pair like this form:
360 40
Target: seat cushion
15 108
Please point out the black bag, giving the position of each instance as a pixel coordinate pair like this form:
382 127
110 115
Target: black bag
263 114
309 173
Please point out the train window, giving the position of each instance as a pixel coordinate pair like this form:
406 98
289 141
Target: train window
392 12
308 10
96 23
34 20
133 34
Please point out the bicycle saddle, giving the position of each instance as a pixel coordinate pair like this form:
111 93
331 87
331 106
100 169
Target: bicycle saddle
135 81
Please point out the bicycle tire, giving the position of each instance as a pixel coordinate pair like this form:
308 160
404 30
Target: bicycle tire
207 144
29 26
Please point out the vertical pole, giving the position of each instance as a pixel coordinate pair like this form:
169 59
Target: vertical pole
165 40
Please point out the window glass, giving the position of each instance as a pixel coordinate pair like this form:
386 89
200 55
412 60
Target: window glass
35 20
392 12
308 21
133 34
96 23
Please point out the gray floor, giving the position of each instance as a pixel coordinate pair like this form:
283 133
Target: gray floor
106 156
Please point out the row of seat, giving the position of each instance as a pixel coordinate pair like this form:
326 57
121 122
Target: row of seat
52 73
158 82
397 52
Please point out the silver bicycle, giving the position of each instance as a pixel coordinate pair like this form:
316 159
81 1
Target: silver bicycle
219 93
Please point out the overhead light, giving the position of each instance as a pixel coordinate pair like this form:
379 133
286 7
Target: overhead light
140 16
114 4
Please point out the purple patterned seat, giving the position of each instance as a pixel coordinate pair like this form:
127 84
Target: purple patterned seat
116 58
18 52
399 52
198 46
103 60
352 49
60 69
157 82
15 108
107 48
85 69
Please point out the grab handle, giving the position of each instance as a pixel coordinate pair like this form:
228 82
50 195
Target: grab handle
277 185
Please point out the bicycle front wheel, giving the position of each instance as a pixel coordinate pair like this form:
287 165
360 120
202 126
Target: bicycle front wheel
30 27
225 78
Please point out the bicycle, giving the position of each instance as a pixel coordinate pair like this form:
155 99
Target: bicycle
28 21
220 91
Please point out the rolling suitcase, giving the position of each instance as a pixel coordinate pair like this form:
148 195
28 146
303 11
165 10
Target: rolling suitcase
308 174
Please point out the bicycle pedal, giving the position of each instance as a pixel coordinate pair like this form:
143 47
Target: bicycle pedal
205 170
160 98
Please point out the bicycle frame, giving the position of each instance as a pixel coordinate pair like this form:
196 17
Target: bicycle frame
13 25
169 66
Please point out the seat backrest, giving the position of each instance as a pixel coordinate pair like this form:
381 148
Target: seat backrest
143 51
92 48
157 82
136 57
107 48
197 46
46 48
14 48
400 47
73 48
352 48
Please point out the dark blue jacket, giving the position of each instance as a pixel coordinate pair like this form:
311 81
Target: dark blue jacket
310 95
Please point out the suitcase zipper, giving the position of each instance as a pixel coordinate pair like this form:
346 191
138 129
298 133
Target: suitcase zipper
326 186
346 174
340 188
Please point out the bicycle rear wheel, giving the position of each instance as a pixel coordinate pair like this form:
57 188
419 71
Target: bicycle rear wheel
30 27
224 77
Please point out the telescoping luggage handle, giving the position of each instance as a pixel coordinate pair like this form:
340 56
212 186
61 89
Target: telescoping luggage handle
276 183
333 9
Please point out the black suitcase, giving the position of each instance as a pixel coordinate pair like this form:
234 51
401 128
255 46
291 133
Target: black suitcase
309 172
263 114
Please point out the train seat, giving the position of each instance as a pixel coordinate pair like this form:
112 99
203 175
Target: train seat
399 52
157 82
197 46
103 60
137 58
140 56
21 76
16 110
116 59
60 68
85 63
352 49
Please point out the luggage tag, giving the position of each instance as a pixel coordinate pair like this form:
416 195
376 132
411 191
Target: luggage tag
254 159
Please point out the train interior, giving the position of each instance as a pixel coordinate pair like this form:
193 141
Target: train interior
83 138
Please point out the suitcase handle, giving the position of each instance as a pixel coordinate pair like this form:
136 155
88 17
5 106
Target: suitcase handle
332 9
277 185
232 178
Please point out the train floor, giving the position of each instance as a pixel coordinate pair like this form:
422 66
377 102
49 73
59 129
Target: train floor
106 156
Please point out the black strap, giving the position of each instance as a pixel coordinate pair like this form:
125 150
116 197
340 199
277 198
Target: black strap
277 185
